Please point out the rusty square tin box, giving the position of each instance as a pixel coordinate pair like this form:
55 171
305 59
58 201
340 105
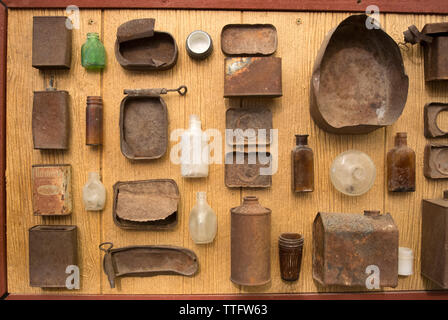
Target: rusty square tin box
52 43
146 204
435 162
248 169
52 248
432 110
249 126
52 190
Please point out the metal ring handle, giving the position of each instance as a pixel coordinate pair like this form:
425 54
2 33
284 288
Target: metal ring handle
101 246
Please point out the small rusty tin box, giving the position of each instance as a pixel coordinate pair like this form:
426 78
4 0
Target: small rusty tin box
146 204
248 170
434 40
252 77
434 256
52 248
139 47
345 244
52 43
52 191
248 39
248 126
432 110
146 261
51 119
435 162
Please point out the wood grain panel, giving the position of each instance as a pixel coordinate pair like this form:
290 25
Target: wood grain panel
300 36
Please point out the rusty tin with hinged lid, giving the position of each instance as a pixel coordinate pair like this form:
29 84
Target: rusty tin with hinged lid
146 205
51 119
52 43
435 161
146 261
434 256
346 244
140 47
52 189
432 110
253 77
144 123
248 169
434 40
250 243
358 82
52 248
248 39
248 126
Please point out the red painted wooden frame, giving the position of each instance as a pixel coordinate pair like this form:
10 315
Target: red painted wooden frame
397 6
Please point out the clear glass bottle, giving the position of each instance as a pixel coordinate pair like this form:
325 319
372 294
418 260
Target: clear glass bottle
93 54
302 165
203 221
401 166
194 150
94 193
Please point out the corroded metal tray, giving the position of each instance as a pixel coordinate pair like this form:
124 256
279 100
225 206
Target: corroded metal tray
248 39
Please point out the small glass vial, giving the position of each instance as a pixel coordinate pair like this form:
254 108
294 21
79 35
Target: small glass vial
94 193
195 150
401 166
94 121
302 165
93 54
203 221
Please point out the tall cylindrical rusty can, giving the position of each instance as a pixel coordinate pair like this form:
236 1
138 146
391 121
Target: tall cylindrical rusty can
250 243
94 121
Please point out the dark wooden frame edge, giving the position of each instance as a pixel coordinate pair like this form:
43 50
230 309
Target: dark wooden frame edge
400 6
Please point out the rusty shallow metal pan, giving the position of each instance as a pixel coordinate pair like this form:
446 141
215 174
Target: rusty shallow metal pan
246 170
146 261
139 47
247 125
253 77
358 82
146 204
248 39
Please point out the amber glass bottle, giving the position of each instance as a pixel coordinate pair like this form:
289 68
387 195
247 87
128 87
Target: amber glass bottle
401 166
302 166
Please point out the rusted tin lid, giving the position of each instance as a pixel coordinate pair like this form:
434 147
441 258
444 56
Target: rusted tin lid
249 39
245 170
442 202
434 29
343 222
135 29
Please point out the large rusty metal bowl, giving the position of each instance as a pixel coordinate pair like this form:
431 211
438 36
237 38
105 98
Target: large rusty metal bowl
358 83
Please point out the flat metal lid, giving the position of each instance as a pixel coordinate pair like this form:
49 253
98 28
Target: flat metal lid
249 39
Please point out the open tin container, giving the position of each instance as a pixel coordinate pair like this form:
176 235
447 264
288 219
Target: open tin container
146 204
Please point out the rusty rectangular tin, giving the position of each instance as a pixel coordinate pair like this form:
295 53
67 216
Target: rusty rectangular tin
435 162
52 43
52 191
253 77
248 39
345 244
52 248
431 112
51 119
434 254
146 204
146 261
243 169
143 125
246 123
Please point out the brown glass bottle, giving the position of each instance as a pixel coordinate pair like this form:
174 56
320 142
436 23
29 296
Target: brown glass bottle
401 166
94 121
302 165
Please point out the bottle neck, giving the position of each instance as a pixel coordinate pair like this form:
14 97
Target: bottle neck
201 197
93 36
94 176
301 139
195 122
401 139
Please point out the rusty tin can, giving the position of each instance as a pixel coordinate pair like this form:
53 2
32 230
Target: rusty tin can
248 39
250 243
345 245
248 170
52 248
358 82
52 191
249 126
435 161
51 119
52 43
434 256
94 121
434 40
290 249
431 113
253 77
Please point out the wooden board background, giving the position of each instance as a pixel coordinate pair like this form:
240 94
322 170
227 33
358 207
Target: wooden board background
298 45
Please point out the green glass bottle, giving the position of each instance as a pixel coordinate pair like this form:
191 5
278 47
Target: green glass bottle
93 54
